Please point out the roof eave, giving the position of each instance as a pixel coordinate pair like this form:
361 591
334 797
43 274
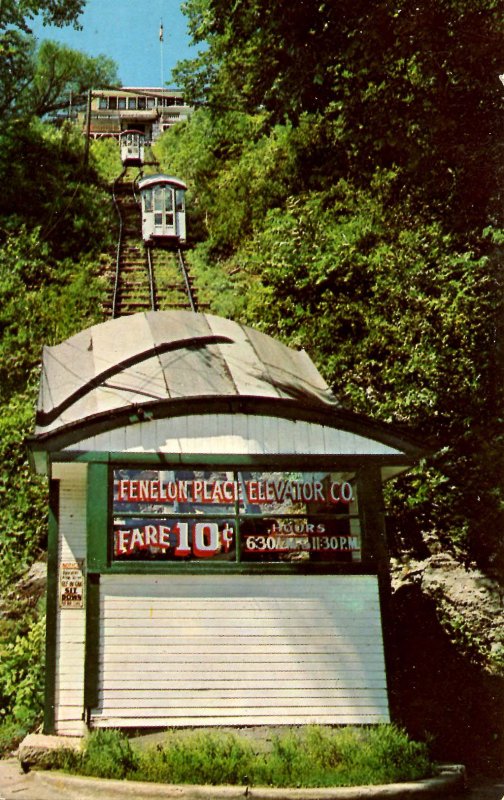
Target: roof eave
320 413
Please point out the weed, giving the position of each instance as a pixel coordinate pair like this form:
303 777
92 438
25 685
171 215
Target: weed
108 754
318 756
199 758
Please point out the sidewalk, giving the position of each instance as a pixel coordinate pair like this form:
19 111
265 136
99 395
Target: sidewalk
40 785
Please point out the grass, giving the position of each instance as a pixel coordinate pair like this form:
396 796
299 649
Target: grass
315 757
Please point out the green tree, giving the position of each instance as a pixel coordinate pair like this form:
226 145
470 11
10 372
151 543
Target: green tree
401 314
18 13
410 85
404 326
17 46
62 76
46 186
16 70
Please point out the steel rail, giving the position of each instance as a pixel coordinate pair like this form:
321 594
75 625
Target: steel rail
135 187
119 242
152 285
151 266
185 274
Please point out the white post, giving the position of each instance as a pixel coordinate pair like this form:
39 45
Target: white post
161 40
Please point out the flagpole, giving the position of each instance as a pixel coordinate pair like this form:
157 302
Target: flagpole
161 39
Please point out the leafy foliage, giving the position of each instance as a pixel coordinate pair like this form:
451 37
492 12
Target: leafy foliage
316 757
407 85
353 208
106 159
62 76
22 674
55 12
213 758
17 47
53 222
108 754
16 70
43 301
46 182
388 310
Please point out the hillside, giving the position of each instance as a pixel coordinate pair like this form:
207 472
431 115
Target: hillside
52 256
355 211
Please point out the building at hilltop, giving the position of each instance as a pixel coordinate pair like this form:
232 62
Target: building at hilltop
149 110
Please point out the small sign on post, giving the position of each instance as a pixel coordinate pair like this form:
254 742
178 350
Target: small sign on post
71 584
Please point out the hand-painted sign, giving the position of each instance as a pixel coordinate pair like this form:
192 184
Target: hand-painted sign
254 516
217 492
71 592
202 539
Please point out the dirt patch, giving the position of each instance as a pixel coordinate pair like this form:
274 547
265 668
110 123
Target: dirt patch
261 736
445 684
469 606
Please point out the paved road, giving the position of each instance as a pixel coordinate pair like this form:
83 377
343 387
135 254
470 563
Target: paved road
486 790
15 785
483 789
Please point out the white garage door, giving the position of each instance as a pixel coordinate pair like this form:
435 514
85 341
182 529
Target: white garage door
240 650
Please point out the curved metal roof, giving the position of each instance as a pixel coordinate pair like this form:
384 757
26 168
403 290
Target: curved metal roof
154 358
160 180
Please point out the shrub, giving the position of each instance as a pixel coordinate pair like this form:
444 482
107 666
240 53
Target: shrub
343 757
22 678
108 754
315 757
199 758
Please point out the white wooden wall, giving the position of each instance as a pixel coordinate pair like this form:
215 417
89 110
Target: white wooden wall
233 434
235 650
71 623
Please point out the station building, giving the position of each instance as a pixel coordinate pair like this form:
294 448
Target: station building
217 549
148 110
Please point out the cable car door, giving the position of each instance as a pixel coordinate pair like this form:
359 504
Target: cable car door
133 144
163 211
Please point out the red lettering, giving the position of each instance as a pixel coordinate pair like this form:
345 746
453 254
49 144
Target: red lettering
122 491
251 488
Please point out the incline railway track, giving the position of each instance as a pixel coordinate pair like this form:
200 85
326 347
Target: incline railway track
146 278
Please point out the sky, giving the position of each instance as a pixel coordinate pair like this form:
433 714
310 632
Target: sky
128 32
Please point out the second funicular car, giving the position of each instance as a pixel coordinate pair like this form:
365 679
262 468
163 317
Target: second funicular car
163 208
132 148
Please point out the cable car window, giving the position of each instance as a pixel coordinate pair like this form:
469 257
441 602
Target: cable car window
158 198
151 102
179 200
112 102
102 103
121 103
148 200
168 199
132 103
158 219
141 103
